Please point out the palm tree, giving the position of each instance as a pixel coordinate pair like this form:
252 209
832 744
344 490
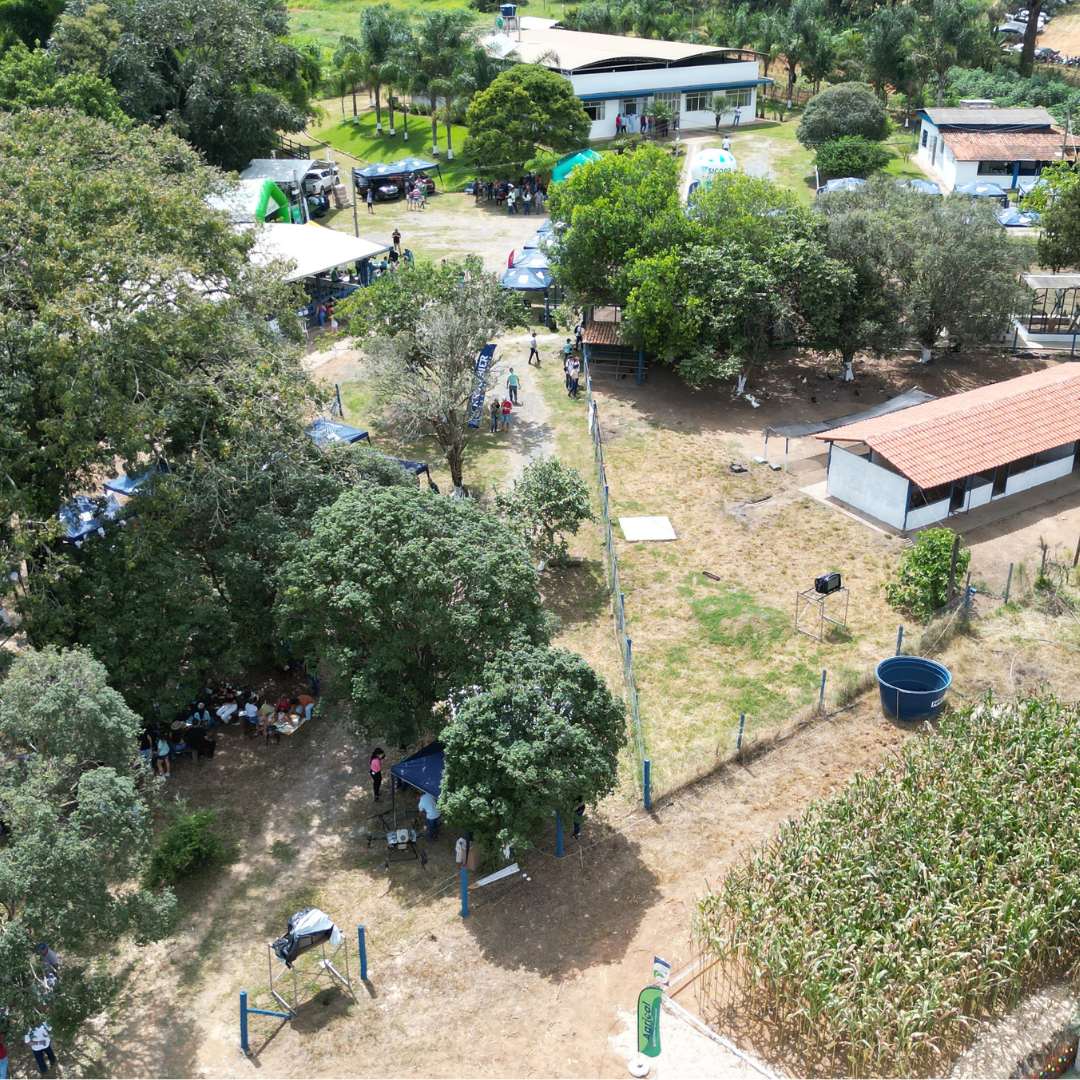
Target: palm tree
886 46
956 33
436 54
801 28
348 63
381 32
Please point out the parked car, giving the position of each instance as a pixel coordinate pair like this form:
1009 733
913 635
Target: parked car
387 190
320 178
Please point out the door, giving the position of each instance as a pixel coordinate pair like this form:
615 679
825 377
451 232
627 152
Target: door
958 501
1001 475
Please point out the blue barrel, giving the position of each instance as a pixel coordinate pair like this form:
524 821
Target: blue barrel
912 689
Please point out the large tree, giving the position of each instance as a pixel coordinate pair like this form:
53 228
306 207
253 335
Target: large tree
425 329
32 80
526 108
383 33
1059 241
404 596
847 109
610 213
224 76
540 734
438 48
78 835
955 33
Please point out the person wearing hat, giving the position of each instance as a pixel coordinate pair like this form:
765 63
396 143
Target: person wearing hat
177 737
202 716
48 957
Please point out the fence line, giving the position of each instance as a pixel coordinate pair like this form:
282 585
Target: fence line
618 603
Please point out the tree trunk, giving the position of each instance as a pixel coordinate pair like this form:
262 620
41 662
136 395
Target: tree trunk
404 122
378 109
390 106
454 454
434 128
791 76
942 76
355 111
1031 36
449 143
343 117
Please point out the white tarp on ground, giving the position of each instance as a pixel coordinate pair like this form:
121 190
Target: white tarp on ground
647 528
311 249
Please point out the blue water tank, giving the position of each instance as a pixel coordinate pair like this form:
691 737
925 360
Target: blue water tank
508 11
912 688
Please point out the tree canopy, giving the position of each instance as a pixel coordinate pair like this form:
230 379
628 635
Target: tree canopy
540 734
525 109
32 80
403 596
844 109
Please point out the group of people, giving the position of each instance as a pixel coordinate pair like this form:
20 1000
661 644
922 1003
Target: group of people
193 727
415 197
734 121
571 369
625 125
527 194
324 314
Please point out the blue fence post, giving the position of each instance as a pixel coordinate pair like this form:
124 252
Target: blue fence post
558 836
464 891
742 724
821 697
243 1021
647 783
363 953
899 639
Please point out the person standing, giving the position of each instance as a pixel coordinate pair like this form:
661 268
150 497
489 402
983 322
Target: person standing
396 237
533 350
726 144
579 817
49 957
370 201
375 768
737 117
618 124
430 809
579 336
39 1040
575 376
512 387
507 410
496 412
526 200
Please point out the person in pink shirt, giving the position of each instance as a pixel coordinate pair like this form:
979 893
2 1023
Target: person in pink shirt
375 768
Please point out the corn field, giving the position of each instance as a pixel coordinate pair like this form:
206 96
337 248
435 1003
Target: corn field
876 929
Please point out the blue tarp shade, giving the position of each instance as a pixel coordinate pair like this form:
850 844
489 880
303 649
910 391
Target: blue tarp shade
539 239
846 183
125 485
1026 184
982 189
1014 218
412 164
83 515
327 432
423 769
528 279
483 363
532 260
414 467
378 170
923 187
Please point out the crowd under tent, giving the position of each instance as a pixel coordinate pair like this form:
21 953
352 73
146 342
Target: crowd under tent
311 251
912 468
1052 320
332 432
254 200
566 165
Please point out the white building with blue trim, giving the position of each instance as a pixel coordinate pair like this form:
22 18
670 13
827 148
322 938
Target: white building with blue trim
618 76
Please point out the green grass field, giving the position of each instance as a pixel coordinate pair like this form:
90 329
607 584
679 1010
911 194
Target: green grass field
361 141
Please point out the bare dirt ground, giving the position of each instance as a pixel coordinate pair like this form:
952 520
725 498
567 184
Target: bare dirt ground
1063 33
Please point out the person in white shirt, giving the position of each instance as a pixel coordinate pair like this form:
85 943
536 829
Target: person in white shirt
429 807
726 144
39 1040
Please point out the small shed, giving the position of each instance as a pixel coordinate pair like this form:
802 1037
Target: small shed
1052 320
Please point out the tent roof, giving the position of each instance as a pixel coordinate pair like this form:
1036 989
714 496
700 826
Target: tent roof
414 467
423 769
814 427
566 165
85 514
924 187
380 168
981 188
413 164
280 170
528 279
845 183
1013 217
963 434
1052 281
532 259
327 432
312 249
126 485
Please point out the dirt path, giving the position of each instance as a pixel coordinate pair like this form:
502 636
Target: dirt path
531 435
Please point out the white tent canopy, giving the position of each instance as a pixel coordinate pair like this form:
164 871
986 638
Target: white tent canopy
311 249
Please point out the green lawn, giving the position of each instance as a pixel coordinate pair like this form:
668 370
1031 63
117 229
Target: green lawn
361 141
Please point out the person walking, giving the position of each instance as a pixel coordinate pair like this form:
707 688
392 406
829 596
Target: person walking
370 201
375 768
430 809
566 365
396 237
40 1041
533 350
726 144
496 412
507 410
579 336
512 387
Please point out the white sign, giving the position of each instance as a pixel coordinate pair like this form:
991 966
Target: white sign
661 972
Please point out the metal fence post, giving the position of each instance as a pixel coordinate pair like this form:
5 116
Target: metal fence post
899 639
821 696
464 891
647 783
243 1021
742 724
363 953
558 836
1008 582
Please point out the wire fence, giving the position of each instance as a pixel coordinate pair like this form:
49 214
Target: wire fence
618 603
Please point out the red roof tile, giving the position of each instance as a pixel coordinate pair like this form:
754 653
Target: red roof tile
601 333
964 434
1009 145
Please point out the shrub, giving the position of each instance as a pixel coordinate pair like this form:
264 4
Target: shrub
924 573
190 843
845 109
851 156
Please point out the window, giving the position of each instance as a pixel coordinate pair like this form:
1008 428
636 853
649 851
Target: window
925 136
697 102
595 110
740 98
995 168
928 496
669 98
630 107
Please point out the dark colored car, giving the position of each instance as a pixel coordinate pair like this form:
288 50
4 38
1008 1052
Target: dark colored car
387 190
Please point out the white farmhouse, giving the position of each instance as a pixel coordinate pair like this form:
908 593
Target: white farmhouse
616 75
966 145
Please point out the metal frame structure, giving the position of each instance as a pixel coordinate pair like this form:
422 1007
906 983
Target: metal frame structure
324 967
811 607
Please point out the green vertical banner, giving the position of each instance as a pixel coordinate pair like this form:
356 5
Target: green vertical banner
648 1021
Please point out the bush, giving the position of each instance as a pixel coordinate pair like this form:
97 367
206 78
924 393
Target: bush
190 843
845 109
924 573
851 156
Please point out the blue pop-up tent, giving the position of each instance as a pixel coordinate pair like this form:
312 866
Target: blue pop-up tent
126 485
1012 218
84 515
923 187
417 468
528 279
422 770
982 189
327 432
845 183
